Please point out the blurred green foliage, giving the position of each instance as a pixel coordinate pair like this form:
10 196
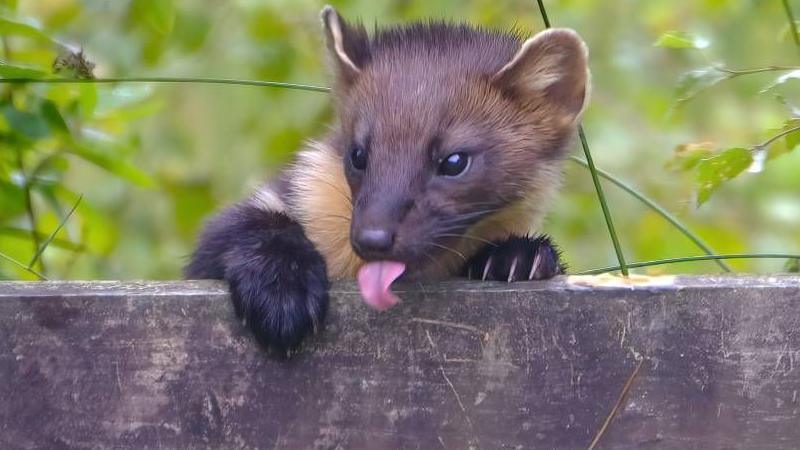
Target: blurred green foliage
152 161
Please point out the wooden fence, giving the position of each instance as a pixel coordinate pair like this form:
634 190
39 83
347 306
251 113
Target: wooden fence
705 362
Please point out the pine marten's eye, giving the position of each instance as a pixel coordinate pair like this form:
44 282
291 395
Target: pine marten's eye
358 157
454 165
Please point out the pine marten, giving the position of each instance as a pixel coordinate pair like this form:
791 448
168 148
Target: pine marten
447 149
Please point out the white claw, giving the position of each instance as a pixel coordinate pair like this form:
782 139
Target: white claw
513 268
536 261
486 268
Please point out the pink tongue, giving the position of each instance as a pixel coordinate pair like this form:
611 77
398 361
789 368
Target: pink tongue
374 279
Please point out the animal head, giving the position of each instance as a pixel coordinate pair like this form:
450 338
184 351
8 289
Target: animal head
442 126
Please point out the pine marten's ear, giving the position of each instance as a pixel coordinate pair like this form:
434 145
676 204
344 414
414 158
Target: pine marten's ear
551 67
348 46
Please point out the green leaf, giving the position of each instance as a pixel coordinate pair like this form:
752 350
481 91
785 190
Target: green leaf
787 143
12 197
53 117
792 139
192 201
792 266
48 171
111 163
687 156
681 39
158 14
692 83
9 71
88 99
29 125
191 30
14 28
713 171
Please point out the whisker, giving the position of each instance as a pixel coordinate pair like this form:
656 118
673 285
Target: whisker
444 247
468 236
427 255
463 218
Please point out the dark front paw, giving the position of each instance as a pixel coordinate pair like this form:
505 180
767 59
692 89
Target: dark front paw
516 259
281 295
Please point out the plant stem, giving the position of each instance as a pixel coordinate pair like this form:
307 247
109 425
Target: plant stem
669 217
792 24
61 243
22 266
659 262
7 55
543 12
54 233
623 267
738 72
598 188
276 84
29 210
776 137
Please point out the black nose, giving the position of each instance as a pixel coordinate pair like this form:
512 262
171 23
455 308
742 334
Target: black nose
374 239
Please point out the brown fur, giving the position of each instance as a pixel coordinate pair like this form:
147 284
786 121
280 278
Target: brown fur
414 94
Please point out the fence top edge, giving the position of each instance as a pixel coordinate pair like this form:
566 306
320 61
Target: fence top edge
216 288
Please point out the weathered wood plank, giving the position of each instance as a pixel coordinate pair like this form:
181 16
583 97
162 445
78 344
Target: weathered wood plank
457 365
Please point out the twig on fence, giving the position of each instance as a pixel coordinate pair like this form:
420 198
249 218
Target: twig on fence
617 406
453 388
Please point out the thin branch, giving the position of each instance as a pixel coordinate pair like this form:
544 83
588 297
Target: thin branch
617 406
730 74
739 72
659 262
792 24
200 80
775 138
597 186
669 217
22 266
53 235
